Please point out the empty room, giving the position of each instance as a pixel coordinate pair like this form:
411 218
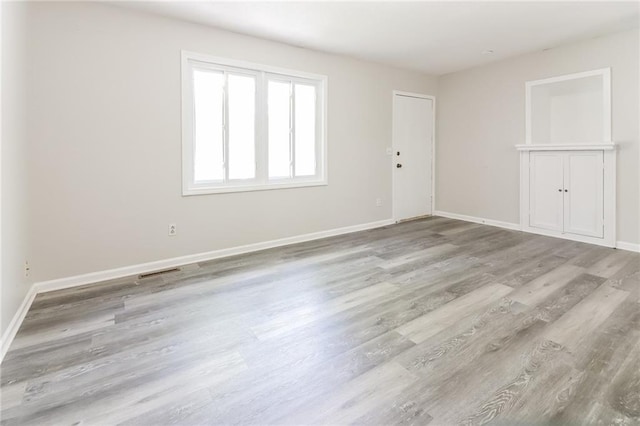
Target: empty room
320 213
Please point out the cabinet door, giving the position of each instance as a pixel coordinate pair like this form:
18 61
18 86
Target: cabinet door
583 196
545 190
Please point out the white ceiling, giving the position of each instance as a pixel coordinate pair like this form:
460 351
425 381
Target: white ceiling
433 37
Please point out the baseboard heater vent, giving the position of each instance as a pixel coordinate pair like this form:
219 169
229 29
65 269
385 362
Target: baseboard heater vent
154 273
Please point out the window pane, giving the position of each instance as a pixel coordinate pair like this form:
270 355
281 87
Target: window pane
207 94
242 145
279 124
305 131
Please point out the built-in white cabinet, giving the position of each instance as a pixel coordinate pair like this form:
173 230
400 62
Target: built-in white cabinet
568 161
566 192
546 197
583 202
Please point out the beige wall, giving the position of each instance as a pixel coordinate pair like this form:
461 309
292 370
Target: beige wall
481 118
105 147
13 225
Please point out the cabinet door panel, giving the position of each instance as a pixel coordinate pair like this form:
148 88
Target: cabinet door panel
583 201
545 210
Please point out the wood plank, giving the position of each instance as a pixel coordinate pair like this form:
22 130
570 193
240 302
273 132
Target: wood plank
624 393
308 314
611 264
266 396
420 255
540 366
539 289
356 398
115 396
599 360
576 325
432 323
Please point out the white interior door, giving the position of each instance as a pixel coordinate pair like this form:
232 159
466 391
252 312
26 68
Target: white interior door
412 156
546 190
583 196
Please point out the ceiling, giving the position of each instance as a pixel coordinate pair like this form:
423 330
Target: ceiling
433 37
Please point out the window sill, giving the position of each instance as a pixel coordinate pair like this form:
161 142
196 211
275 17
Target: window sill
204 190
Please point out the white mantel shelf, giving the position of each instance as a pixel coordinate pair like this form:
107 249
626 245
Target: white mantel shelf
567 147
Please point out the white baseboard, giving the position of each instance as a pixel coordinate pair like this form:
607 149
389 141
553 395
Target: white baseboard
491 222
623 245
142 268
16 321
578 238
110 274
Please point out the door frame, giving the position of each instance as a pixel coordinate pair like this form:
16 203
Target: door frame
433 148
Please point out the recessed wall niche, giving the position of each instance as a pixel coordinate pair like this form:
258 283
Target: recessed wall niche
569 110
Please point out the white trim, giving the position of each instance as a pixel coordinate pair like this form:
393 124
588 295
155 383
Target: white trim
110 274
573 76
623 245
7 332
236 63
566 236
567 147
606 102
262 74
433 158
413 95
433 147
16 322
474 219
186 109
259 187
142 268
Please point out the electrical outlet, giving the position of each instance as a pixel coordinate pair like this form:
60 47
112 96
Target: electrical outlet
173 230
27 269
378 202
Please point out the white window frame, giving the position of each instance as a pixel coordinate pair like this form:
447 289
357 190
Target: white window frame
263 74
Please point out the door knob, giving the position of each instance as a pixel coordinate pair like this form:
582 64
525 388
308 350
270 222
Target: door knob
559 190
398 165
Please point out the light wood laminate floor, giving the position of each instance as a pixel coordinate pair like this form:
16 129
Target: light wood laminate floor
434 321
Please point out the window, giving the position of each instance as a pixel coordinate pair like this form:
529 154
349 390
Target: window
249 127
